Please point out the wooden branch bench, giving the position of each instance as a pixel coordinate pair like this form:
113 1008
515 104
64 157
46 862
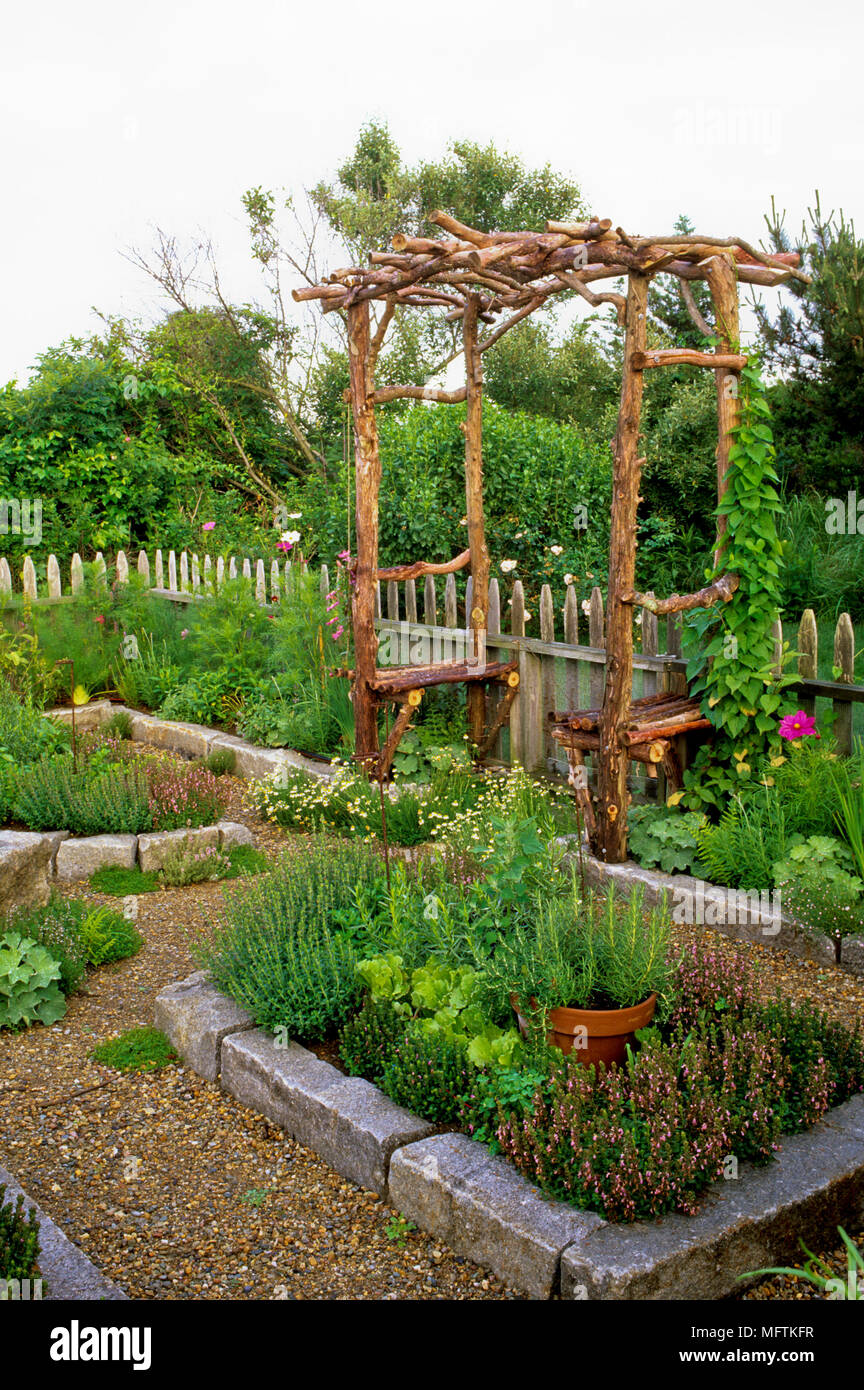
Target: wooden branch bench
653 724
404 685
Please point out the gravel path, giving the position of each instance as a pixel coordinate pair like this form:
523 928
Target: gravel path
176 1191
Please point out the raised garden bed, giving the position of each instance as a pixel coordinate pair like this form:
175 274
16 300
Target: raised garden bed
452 1187
31 862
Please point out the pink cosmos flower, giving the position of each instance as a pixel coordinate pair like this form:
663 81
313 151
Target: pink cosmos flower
208 525
344 555
99 619
337 634
185 632
798 725
284 545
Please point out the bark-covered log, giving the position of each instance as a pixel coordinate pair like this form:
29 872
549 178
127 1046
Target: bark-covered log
723 285
473 428
610 840
421 567
689 357
368 483
720 591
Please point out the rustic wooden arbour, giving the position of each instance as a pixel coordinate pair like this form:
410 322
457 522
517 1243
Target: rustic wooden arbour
476 276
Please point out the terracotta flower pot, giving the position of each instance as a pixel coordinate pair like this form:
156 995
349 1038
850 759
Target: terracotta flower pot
595 1035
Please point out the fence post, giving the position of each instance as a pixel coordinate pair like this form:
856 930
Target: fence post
53 574
430 602
450 607
99 564
76 574
184 572
260 583
844 658
393 600
547 663
28 578
517 628
172 571
324 582
232 567
808 655
777 635
144 567
275 581
494 622
196 573
596 638
5 576
122 567
571 637
378 611
410 600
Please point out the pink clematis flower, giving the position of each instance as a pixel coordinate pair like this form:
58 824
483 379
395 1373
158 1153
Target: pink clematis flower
798 725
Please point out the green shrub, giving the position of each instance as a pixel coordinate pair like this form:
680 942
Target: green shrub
124 883
368 1039
29 989
587 954
57 927
428 1073
245 860
183 795
25 734
119 725
189 863
824 899
50 795
108 936
139 1049
806 782
221 761
750 837
283 952
664 839
19 1238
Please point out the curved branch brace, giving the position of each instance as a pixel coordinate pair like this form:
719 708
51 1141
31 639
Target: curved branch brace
722 589
421 567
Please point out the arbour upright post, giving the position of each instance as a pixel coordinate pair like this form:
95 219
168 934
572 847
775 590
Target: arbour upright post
365 569
477 619
611 833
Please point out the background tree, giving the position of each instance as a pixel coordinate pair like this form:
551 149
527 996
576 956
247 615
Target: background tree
816 345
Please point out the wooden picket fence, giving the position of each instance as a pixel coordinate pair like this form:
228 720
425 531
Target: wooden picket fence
558 668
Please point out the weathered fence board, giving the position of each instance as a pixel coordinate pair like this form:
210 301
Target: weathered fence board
554 674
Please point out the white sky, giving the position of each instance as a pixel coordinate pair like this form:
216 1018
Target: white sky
118 117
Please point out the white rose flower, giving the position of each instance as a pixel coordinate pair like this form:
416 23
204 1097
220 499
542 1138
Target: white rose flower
508 565
557 549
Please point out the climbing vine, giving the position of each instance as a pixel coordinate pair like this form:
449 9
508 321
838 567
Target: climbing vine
735 666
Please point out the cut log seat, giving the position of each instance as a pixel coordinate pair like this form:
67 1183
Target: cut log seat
394 680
